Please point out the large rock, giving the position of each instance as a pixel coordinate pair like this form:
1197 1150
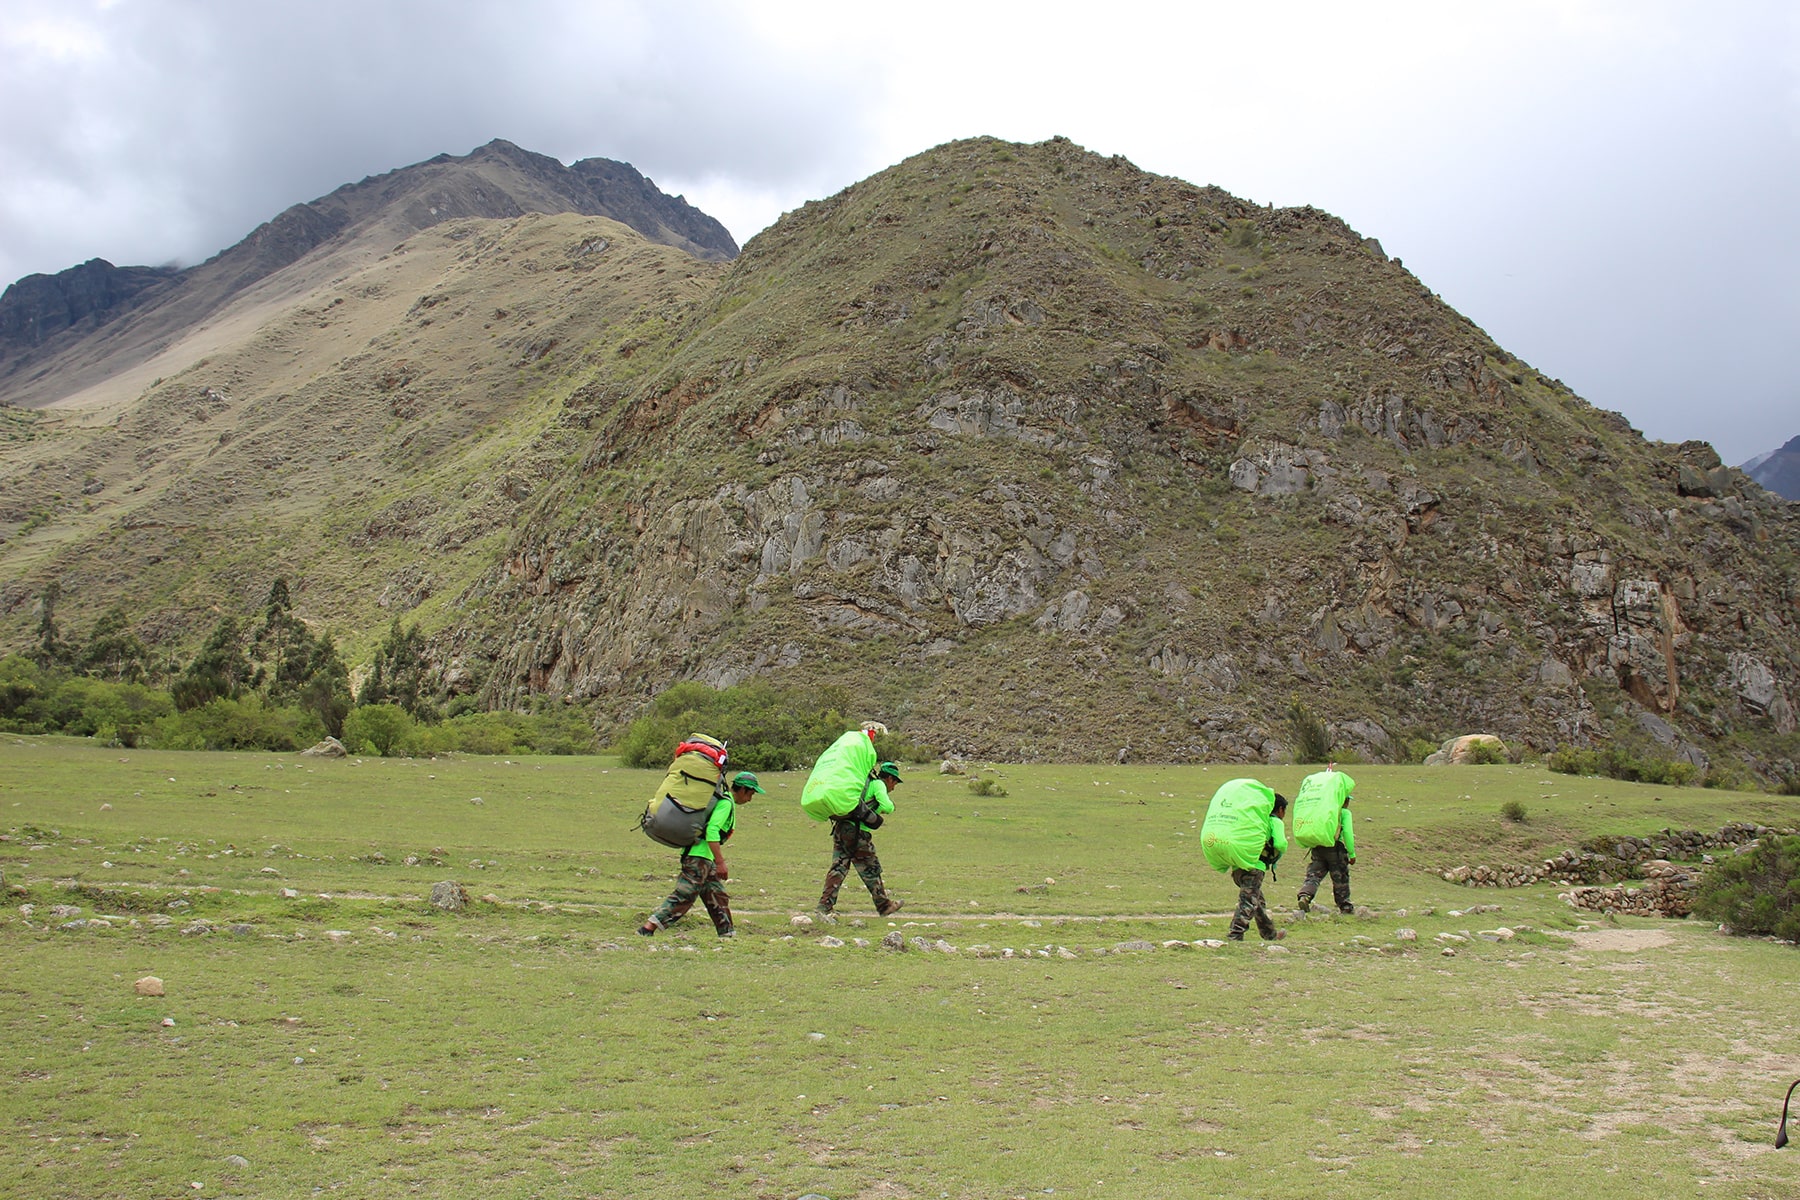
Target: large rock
329 748
1459 751
449 895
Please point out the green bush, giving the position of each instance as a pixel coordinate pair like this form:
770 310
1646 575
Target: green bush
768 729
1513 811
382 729
83 707
503 732
1755 893
984 785
1485 754
1616 762
243 724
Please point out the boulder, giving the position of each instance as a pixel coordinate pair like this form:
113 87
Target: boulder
1459 751
149 985
329 748
449 895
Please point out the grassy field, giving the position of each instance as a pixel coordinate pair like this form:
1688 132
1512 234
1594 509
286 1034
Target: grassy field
352 1040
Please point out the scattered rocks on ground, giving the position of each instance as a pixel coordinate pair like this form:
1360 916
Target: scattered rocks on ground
831 943
894 940
800 921
237 1161
1406 935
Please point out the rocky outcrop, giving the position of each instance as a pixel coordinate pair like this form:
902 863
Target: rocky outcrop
38 307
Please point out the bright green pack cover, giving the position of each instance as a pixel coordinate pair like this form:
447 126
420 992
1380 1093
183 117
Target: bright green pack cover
1237 825
1319 807
836 782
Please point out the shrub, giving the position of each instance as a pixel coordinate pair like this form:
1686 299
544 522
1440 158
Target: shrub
1755 893
1485 754
1513 811
504 732
985 785
384 729
245 724
1312 741
768 729
1618 763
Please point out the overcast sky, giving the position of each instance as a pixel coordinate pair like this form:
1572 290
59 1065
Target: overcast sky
1610 188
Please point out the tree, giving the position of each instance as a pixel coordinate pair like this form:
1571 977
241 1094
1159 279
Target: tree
221 671
326 690
113 651
397 676
51 649
282 647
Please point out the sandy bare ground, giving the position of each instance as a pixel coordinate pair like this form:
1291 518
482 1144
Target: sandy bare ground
1619 939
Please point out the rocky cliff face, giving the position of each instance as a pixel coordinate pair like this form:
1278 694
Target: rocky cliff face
1036 453
38 307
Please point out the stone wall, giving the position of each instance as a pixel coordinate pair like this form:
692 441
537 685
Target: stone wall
1624 857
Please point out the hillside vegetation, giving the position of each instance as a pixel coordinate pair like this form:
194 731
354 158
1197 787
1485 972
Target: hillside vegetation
1036 454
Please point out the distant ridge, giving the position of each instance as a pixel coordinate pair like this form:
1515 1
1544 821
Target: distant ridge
1778 470
76 314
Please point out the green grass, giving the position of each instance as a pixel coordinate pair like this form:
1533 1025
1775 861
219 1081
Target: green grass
355 1041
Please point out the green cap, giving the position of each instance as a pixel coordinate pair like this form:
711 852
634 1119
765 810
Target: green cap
891 770
746 779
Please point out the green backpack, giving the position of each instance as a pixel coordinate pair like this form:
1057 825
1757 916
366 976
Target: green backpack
1319 808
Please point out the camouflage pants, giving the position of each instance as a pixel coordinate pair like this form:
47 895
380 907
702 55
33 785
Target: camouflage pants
1333 861
853 846
1250 905
697 881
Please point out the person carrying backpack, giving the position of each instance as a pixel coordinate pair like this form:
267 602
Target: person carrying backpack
703 871
1322 824
853 791
1242 834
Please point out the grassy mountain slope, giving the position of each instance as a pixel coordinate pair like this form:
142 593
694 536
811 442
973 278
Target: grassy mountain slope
1037 453
370 438
1047 455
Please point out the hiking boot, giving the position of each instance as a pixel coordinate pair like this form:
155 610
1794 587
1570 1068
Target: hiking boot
1235 937
1304 902
825 915
648 929
1279 934
727 933
1349 910
893 906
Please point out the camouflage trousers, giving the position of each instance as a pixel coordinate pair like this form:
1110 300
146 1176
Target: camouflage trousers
1250 905
698 881
853 846
1333 861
